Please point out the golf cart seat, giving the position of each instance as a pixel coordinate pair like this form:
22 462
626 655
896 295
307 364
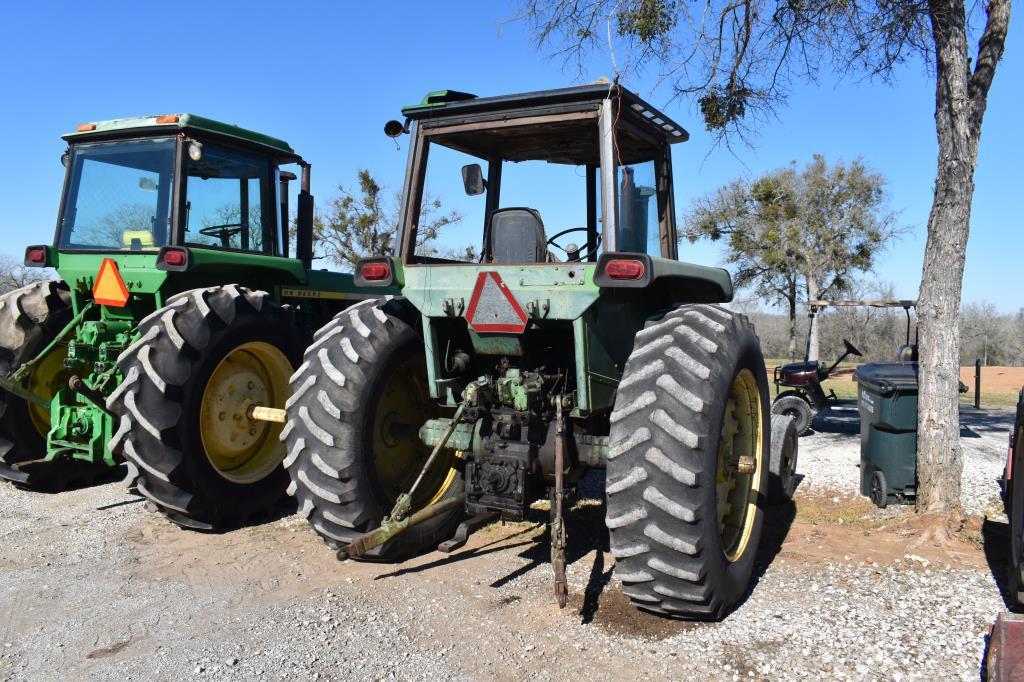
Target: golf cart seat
516 235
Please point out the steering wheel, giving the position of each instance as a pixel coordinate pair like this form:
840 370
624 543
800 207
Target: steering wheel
588 247
851 349
223 232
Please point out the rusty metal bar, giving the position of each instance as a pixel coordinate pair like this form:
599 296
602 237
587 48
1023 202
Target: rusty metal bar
389 529
558 539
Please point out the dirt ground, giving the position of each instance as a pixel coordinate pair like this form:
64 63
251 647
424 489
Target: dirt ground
96 588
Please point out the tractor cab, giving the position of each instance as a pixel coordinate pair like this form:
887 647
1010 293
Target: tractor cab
174 183
550 177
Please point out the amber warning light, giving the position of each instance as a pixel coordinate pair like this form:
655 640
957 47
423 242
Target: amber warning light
109 288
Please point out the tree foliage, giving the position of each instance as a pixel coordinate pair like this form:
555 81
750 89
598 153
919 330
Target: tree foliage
364 222
14 275
798 233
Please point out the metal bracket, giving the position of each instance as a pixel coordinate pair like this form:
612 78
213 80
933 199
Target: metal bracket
453 307
538 308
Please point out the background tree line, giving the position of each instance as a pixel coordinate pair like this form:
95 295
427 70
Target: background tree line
997 339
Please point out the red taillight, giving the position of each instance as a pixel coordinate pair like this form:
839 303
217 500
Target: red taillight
624 269
36 255
175 258
375 271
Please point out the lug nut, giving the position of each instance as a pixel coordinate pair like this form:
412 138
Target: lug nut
746 465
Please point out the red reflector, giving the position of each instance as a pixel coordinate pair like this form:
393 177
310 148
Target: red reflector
375 271
85 127
624 269
174 257
36 255
167 119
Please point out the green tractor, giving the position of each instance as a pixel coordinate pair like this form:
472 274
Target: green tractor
576 341
178 315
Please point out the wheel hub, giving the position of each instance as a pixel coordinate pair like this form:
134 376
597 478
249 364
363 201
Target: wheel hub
740 459
241 449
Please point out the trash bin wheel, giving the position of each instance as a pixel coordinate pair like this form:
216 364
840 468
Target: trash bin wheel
878 490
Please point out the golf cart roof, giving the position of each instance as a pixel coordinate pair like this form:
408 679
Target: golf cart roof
556 124
872 304
121 127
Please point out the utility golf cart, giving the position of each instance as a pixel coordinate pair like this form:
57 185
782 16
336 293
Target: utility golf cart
577 341
178 313
805 396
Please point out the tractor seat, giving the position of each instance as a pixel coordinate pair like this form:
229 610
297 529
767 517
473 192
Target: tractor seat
137 240
516 235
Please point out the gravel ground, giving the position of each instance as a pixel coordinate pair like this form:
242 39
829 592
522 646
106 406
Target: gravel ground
830 457
94 587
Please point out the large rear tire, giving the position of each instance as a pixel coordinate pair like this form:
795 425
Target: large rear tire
1015 511
199 364
684 519
359 399
30 318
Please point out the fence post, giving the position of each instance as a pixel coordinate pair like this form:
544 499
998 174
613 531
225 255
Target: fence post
977 383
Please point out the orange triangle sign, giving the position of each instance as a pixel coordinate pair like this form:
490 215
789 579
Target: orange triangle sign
109 288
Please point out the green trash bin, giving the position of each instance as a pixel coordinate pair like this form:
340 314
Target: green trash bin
887 400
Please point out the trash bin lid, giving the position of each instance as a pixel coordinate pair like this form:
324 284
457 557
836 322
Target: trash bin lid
888 377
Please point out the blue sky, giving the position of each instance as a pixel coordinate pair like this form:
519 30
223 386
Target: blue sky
326 76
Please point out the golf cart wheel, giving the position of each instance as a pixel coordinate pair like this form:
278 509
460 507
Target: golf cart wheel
1015 511
688 463
30 318
198 366
352 433
791 403
782 471
879 488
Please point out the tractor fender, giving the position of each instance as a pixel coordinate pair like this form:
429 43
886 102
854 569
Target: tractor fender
675 280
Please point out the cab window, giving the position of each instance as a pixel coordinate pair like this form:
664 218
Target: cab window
230 203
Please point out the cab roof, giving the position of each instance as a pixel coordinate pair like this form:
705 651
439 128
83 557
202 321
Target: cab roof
451 105
150 124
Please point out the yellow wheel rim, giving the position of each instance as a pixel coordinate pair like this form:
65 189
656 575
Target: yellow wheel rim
740 459
241 449
48 377
398 453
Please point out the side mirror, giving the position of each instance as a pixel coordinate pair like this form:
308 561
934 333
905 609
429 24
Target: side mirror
473 179
396 128
64 158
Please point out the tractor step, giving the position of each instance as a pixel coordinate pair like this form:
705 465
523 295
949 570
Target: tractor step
58 474
1006 648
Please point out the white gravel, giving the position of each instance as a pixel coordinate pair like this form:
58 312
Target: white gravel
93 591
829 457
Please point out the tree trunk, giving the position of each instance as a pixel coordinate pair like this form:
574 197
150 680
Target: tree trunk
791 299
960 99
813 344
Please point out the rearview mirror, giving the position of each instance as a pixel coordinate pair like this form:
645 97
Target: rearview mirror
473 179
147 184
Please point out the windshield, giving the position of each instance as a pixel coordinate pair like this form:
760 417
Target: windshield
119 196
